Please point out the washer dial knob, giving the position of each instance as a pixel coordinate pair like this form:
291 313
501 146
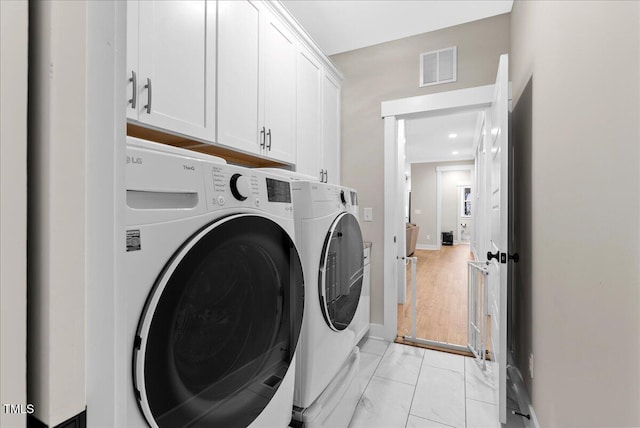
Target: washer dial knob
239 187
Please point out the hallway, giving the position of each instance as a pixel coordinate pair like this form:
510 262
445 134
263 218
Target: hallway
441 283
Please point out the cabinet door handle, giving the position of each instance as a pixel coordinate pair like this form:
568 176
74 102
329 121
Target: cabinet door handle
326 176
262 138
148 87
134 93
269 135
322 176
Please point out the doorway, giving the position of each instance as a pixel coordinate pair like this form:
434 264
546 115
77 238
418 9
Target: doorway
439 170
394 113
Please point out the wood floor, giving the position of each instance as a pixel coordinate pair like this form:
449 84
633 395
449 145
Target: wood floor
441 283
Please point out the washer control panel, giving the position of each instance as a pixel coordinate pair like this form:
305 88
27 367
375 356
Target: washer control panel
230 186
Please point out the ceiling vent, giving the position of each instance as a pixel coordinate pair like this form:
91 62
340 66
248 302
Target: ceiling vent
439 66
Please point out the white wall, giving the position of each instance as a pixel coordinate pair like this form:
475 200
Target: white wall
106 363
57 210
575 74
13 208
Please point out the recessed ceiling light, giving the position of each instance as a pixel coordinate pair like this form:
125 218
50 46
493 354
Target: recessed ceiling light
452 135
454 153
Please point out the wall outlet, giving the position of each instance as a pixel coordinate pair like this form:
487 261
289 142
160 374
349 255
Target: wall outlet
418 211
428 236
368 214
531 366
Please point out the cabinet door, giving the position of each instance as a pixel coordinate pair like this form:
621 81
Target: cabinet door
331 128
238 72
133 86
308 115
177 66
279 57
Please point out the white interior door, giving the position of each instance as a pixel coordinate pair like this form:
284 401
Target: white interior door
497 221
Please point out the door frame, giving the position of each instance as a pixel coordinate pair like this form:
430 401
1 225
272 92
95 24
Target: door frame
392 111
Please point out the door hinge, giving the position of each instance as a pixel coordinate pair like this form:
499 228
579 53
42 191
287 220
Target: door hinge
503 258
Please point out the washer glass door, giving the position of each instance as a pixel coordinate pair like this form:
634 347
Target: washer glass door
220 327
341 271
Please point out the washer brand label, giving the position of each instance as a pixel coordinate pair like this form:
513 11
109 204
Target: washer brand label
133 240
136 160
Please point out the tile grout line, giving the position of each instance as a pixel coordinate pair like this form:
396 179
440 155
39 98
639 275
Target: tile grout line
465 391
372 374
414 390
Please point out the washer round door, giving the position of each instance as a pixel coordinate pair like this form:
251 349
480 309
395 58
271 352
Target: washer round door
341 271
220 327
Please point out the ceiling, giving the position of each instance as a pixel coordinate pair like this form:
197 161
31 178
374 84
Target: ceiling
427 139
343 25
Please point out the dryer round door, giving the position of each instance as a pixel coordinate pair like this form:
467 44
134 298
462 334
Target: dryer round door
341 271
220 326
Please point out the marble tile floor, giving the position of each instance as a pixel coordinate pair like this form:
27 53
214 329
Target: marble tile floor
411 387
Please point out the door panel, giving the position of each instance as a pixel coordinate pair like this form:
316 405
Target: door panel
177 56
498 269
279 90
330 130
309 115
238 73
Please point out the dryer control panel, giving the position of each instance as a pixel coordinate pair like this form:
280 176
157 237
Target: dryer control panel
230 186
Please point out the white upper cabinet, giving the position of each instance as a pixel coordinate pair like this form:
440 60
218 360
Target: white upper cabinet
256 81
238 69
331 129
309 115
175 65
237 73
279 58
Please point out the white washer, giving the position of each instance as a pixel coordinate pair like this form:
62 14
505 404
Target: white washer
330 242
214 292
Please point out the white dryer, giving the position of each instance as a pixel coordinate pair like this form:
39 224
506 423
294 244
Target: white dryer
330 242
214 292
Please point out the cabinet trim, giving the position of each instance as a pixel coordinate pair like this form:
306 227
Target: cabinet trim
306 39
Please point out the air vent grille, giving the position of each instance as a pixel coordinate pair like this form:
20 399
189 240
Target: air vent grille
439 66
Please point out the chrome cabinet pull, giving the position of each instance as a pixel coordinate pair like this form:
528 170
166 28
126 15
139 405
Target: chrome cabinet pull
326 176
269 135
148 87
134 95
322 176
262 138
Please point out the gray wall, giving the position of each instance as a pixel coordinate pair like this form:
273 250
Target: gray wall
424 198
13 208
575 79
390 71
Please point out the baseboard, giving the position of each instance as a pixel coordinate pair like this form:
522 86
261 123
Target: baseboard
432 247
77 421
376 331
524 402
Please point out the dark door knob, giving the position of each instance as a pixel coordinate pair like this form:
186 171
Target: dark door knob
515 257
